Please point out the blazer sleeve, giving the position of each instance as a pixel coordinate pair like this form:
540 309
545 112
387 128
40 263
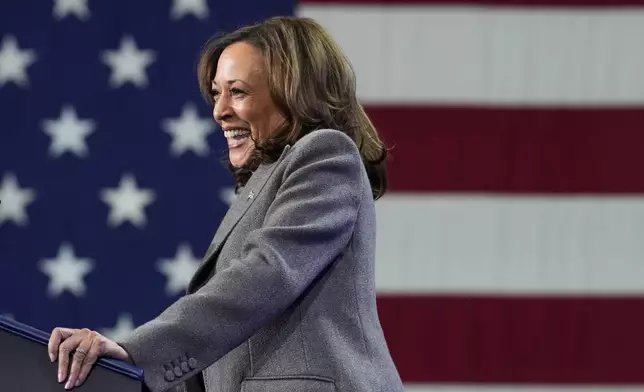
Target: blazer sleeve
307 226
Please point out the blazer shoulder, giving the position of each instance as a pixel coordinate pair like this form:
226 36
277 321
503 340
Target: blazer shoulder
326 143
322 158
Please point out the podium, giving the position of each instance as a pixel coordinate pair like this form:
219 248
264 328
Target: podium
25 365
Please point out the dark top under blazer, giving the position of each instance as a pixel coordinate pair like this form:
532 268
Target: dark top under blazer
285 298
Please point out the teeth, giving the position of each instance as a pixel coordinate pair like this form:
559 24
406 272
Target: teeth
236 132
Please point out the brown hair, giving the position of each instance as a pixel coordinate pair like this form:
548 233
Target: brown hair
313 85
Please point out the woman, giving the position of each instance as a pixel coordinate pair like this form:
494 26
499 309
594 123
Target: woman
285 297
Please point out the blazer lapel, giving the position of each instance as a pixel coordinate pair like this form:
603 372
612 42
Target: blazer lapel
237 210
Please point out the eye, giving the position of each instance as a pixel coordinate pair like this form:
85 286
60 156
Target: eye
237 91
215 95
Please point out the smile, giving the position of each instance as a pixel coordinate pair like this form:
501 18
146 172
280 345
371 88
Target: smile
237 134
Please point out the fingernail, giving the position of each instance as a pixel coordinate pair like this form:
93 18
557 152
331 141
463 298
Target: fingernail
60 377
78 382
69 384
51 357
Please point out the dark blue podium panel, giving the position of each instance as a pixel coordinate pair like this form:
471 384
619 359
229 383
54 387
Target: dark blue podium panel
25 365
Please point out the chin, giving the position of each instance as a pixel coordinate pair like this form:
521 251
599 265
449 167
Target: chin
239 156
238 160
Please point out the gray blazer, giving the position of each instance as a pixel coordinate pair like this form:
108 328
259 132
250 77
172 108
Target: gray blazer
285 298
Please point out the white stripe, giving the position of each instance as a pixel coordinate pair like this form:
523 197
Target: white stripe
481 244
490 55
519 388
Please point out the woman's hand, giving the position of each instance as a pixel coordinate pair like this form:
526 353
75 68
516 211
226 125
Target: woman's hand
89 346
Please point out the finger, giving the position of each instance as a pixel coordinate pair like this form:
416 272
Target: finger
64 349
57 336
90 360
79 358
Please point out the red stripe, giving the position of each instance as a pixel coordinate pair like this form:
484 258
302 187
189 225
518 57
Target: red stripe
513 150
549 3
515 340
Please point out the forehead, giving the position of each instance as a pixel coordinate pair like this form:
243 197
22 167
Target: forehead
239 61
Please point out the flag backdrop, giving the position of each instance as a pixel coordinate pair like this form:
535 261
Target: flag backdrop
509 248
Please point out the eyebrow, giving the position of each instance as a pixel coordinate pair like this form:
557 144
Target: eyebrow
213 84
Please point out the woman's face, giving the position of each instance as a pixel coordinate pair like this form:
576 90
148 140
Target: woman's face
243 104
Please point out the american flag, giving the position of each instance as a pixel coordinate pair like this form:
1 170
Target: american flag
510 252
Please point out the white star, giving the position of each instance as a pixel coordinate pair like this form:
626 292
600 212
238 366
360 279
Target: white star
128 63
14 62
180 8
127 202
68 133
66 272
179 271
124 325
189 132
63 8
14 200
227 195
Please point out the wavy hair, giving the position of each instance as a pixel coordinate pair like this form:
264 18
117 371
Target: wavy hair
311 82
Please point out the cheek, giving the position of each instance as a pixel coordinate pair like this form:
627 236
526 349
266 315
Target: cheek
260 120
264 119
272 119
247 112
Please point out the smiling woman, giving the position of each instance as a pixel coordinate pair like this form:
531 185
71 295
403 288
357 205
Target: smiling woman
285 297
243 106
281 80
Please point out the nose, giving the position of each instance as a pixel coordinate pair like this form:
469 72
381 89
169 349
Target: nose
222 109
